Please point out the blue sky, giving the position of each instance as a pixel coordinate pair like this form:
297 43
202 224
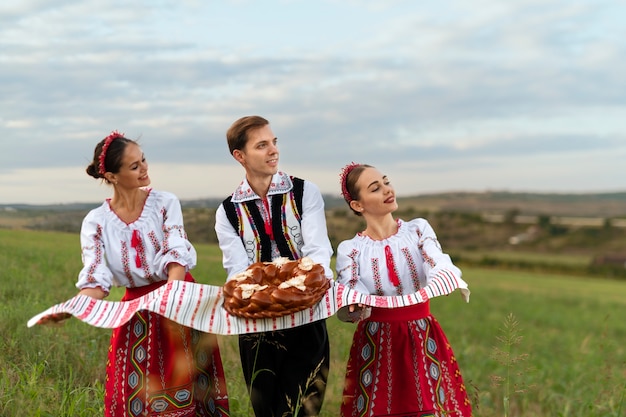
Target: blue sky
523 95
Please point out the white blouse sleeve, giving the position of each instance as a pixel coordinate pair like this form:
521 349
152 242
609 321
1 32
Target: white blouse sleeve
95 272
347 265
442 276
234 256
314 232
175 247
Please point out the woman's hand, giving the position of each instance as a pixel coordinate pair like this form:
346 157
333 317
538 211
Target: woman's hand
96 292
54 319
58 318
175 272
358 312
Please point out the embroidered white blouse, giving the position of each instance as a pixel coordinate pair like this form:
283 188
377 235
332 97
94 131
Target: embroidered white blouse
115 253
412 258
315 242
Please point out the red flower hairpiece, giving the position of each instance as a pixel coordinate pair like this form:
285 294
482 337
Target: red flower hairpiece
107 141
345 171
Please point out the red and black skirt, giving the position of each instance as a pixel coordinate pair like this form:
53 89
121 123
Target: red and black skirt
157 367
401 364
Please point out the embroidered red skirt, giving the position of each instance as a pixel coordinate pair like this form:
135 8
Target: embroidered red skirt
402 365
157 367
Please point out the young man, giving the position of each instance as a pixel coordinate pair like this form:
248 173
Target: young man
271 215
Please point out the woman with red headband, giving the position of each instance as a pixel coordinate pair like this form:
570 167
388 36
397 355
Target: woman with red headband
401 362
136 239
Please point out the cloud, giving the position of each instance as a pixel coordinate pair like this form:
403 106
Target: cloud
398 82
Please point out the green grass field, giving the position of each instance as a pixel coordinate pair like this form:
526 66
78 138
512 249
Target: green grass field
528 344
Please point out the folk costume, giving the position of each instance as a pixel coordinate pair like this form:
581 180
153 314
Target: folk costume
290 222
401 362
155 366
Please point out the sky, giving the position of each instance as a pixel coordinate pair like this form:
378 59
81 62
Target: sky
448 95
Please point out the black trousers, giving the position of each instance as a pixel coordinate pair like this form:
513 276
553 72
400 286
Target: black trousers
286 370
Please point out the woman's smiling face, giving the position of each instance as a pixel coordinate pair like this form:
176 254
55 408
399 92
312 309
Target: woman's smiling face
376 194
133 171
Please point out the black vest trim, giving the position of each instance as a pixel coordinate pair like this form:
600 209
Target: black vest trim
298 192
278 201
231 213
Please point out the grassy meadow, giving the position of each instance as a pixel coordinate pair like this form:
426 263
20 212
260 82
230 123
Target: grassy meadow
528 343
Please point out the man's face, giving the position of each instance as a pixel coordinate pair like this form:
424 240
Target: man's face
260 155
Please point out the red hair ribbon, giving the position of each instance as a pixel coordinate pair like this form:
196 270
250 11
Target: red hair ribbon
103 153
343 176
135 243
391 268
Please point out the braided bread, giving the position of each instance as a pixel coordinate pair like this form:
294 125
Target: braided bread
275 289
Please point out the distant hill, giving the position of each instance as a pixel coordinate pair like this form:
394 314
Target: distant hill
483 228
553 204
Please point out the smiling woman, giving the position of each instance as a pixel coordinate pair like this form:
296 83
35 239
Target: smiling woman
401 362
136 239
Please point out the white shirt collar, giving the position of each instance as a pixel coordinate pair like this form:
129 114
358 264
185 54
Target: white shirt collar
281 184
